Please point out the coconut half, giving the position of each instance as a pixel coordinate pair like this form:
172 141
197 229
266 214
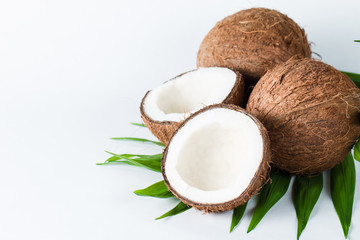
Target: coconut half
165 107
217 159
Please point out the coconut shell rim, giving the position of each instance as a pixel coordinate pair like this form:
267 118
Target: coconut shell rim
238 82
163 130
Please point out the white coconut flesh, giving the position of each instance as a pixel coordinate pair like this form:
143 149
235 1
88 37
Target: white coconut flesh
214 156
176 99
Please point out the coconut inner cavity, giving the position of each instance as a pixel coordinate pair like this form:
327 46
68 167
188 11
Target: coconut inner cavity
176 99
214 156
217 165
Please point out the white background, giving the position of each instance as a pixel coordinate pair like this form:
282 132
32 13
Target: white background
72 74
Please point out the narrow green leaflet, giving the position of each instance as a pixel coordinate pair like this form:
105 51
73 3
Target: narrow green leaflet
143 140
237 215
138 124
152 162
356 40
306 192
270 194
355 77
151 165
181 207
115 158
357 151
158 190
138 156
134 156
342 185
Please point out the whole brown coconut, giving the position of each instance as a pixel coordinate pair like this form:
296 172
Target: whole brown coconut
253 41
311 112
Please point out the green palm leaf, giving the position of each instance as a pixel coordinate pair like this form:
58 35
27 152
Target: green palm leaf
158 190
306 192
270 194
237 215
152 162
181 207
138 124
355 77
342 185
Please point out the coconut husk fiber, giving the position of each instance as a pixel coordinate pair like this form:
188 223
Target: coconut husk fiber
252 42
311 112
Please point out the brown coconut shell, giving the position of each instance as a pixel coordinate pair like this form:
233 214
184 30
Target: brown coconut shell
311 112
163 130
260 178
253 41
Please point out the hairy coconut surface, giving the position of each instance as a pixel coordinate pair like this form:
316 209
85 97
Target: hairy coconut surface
165 107
217 159
311 112
253 41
